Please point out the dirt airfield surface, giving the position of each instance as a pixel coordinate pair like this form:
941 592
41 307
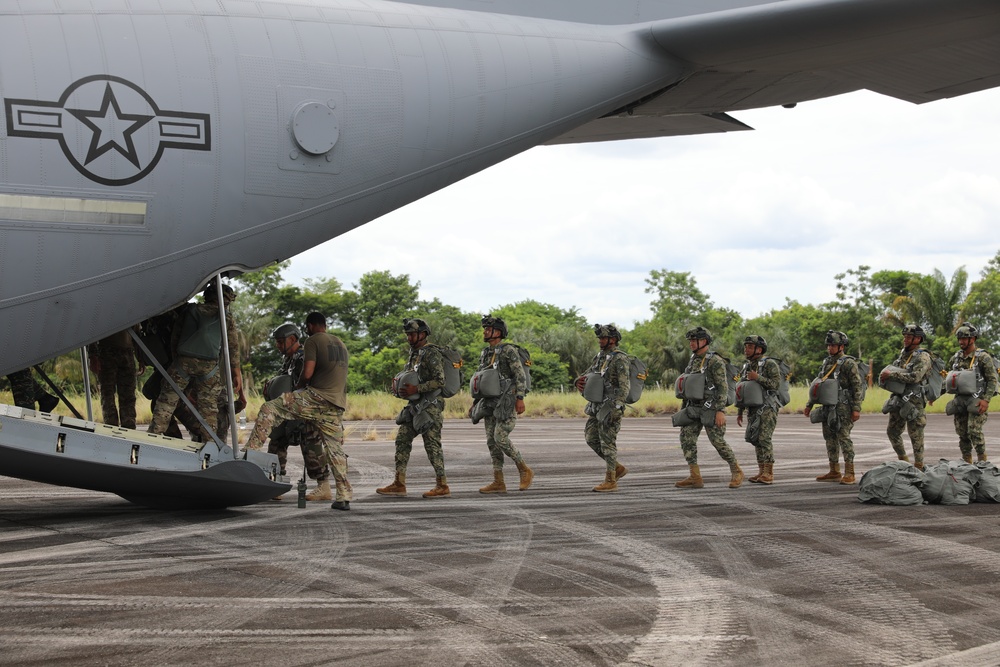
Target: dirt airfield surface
798 573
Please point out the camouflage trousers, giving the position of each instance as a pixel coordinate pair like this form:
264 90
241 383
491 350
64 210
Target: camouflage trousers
969 427
117 380
301 434
761 423
716 436
498 440
192 376
603 437
23 388
914 428
322 415
838 435
432 442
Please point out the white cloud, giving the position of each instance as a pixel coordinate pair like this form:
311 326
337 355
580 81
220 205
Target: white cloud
755 216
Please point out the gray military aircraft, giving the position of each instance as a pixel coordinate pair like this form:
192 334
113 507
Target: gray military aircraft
149 145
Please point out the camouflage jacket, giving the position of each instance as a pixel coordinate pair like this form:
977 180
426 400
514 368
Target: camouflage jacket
429 365
614 368
716 381
507 362
293 365
849 380
986 365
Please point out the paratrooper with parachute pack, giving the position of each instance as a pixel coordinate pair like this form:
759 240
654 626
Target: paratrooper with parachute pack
704 404
974 381
498 389
420 383
905 379
760 403
838 390
605 385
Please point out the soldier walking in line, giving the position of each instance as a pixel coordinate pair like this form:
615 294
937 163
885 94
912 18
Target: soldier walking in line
25 392
708 412
762 419
499 412
424 412
606 403
838 419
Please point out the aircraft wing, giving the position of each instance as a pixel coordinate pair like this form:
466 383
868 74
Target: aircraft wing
792 51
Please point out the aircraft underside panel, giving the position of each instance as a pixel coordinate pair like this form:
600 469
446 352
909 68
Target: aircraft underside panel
150 470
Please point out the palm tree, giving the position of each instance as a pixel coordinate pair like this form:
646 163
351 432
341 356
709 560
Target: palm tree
933 302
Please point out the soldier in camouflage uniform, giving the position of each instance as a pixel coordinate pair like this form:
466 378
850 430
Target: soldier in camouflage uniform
912 367
320 399
610 369
294 431
199 370
709 412
761 420
838 420
26 391
499 413
113 359
971 414
423 414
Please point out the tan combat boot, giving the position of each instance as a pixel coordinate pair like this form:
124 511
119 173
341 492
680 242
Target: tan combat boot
767 475
397 488
440 489
967 457
981 458
833 475
321 492
497 486
848 477
737 475
760 471
620 471
526 475
903 457
918 464
609 483
693 481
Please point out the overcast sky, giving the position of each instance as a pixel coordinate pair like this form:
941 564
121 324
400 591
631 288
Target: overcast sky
755 216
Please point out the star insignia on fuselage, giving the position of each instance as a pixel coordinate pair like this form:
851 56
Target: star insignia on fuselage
120 126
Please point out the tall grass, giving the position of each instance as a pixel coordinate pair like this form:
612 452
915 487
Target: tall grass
380 406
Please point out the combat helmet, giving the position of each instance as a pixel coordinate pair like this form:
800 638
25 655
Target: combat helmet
914 330
699 333
416 325
967 330
836 338
756 341
285 330
210 294
490 322
607 331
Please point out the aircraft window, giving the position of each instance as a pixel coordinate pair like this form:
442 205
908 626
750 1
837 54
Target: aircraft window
72 210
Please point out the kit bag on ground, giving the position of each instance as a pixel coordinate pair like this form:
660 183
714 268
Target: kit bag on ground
892 483
988 489
951 483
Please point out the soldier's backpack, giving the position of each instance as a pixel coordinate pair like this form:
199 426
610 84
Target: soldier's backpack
636 377
525 358
863 370
452 362
201 334
934 384
732 378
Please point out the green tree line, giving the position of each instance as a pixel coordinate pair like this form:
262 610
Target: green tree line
870 307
